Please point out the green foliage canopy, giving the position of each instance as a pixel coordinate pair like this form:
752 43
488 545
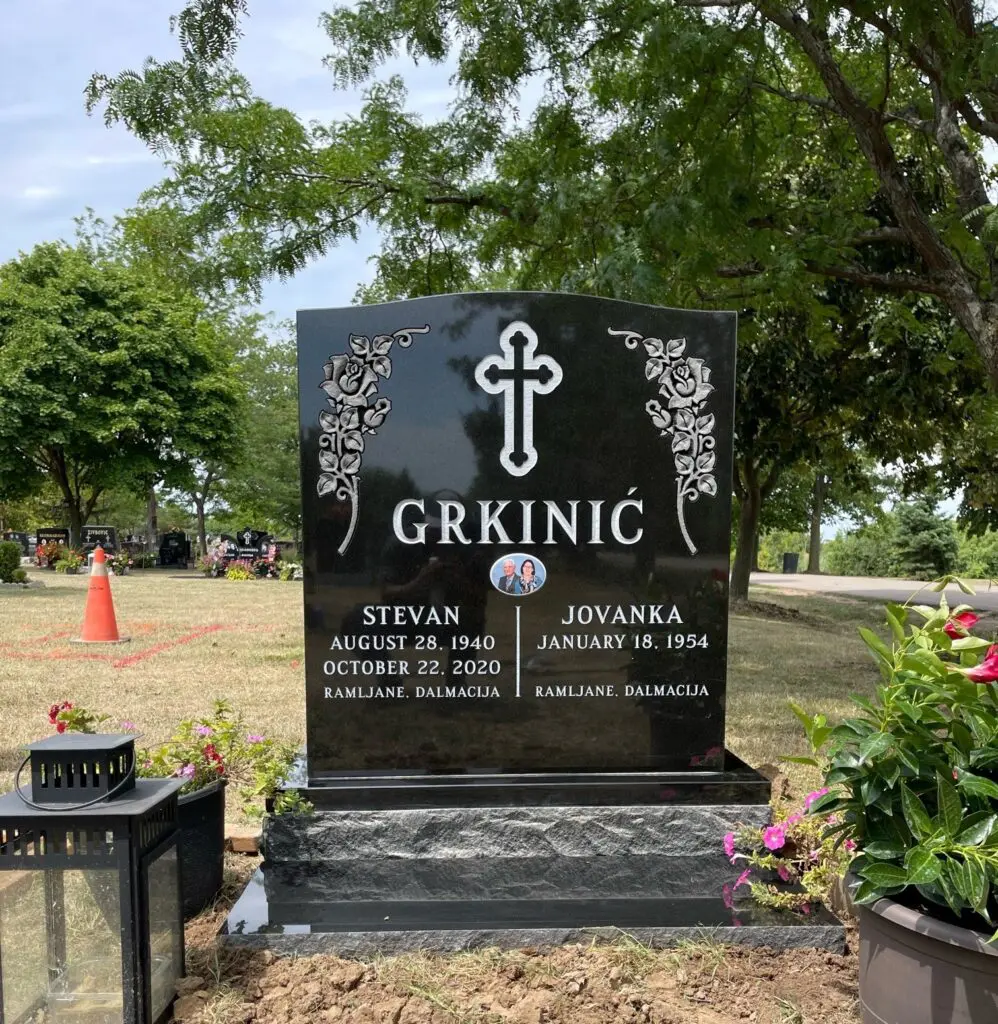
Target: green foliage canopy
105 379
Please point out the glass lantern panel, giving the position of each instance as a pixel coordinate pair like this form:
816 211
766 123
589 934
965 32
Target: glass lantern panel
165 929
23 944
86 986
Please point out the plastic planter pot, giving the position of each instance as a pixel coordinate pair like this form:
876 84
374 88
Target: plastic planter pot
201 817
915 969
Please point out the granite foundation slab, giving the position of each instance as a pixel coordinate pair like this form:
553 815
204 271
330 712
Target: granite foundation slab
363 928
671 830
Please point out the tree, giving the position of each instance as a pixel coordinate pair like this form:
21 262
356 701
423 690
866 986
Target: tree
664 164
681 119
105 379
264 485
925 545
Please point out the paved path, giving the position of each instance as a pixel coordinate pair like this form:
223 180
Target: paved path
985 598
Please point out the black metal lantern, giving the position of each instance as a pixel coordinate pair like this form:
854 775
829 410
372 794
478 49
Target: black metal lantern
91 927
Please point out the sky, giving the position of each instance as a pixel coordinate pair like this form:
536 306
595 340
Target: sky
55 160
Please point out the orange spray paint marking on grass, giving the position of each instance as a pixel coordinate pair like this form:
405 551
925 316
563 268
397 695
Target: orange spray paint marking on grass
134 659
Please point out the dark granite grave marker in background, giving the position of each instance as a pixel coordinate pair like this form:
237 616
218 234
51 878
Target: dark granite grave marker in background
48 534
105 536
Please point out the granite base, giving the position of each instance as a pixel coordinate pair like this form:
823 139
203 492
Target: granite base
382 881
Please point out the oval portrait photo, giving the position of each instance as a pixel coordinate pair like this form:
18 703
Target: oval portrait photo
517 575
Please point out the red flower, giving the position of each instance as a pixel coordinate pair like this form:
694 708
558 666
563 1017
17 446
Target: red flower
987 671
959 625
60 726
54 712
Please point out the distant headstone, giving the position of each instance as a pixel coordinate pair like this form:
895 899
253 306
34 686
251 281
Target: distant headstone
516 518
174 549
104 536
19 538
47 535
252 543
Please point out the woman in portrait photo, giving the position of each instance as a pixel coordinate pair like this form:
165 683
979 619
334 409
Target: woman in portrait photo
528 577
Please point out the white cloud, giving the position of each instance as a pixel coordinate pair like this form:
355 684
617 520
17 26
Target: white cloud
40 192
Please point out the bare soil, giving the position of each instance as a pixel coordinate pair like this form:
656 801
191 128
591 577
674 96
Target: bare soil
696 983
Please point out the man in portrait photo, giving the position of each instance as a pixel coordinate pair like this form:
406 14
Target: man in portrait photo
507 583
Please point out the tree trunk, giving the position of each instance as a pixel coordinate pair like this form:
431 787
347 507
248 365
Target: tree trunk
748 530
152 523
755 552
75 516
814 542
202 538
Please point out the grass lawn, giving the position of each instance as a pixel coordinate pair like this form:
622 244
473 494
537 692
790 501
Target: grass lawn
193 640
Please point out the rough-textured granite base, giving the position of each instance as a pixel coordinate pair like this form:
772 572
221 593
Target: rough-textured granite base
464 878
364 945
685 830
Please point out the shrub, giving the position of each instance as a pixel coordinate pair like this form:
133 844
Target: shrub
978 556
925 544
868 551
20 576
10 560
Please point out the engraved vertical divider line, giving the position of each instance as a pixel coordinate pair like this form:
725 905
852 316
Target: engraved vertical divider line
517 650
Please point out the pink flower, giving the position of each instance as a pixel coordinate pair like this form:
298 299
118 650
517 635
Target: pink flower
204 730
729 845
814 796
742 879
128 726
959 625
774 837
783 873
726 895
792 820
187 772
254 738
987 671
850 845
805 908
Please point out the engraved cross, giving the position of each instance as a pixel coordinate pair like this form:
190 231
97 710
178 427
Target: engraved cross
520 374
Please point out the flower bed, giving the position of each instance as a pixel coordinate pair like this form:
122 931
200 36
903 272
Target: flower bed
221 567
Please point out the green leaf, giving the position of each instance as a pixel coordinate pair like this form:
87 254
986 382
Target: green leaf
977 828
884 874
907 758
915 814
884 850
922 866
974 784
895 619
876 644
874 745
977 885
970 643
810 761
868 892
949 805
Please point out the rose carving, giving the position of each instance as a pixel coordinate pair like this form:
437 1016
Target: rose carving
684 383
351 381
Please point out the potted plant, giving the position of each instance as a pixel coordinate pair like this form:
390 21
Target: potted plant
69 561
208 752
911 779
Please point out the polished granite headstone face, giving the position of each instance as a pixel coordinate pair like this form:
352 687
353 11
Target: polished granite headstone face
516 521
105 536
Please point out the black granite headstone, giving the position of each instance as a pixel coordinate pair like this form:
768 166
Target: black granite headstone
104 536
46 535
251 542
174 549
516 518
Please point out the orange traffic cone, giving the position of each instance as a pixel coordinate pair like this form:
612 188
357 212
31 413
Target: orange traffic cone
99 623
